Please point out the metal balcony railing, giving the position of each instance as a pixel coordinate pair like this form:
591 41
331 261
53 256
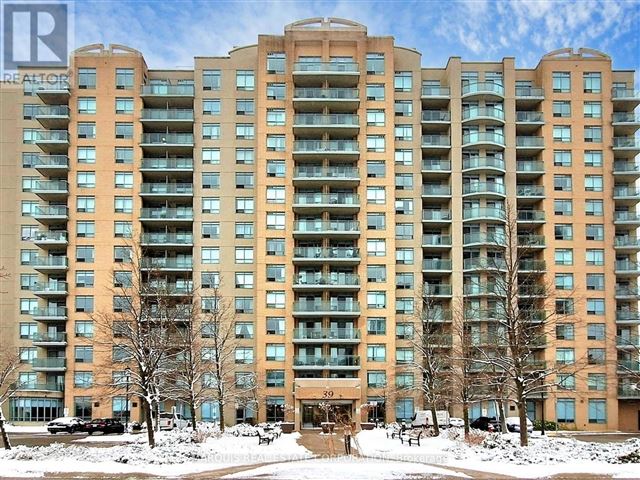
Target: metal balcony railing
436 240
167 164
167 188
168 90
326 334
160 238
326 172
167 213
331 252
333 279
483 162
326 361
345 199
483 187
167 114
326 93
437 264
436 116
529 92
332 67
529 117
167 138
331 120
328 226
311 306
435 91
330 146
483 87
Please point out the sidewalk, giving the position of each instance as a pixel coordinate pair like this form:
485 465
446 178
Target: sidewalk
325 445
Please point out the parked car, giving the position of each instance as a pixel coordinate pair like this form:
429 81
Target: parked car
170 420
423 418
456 422
66 424
513 424
488 424
104 425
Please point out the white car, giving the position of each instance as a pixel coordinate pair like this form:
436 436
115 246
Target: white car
66 424
456 422
169 421
513 424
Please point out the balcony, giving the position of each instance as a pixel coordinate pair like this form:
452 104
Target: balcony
49 339
166 215
627 243
631 392
435 96
483 140
319 255
167 289
52 141
168 191
53 93
326 335
318 176
476 290
435 120
531 241
331 228
343 362
437 290
49 364
626 171
163 264
532 266
38 387
483 164
438 191
528 122
52 165
627 317
483 116
436 217
437 265
49 314
628 342
528 145
50 264
319 149
532 291
435 144
436 241
347 203
179 118
626 218
162 239
626 96
627 292
627 147
51 289
337 124
162 94
477 239
54 190
628 366
315 308
339 74
483 190
53 116
625 123
527 169
484 263
529 193
333 281
531 216
486 214
50 239
627 267
528 97
167 165
480 315
337 99
626 194
160 143
486 90
432 167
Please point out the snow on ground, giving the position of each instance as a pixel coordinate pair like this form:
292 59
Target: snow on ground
353 468
502 454
25 428
174 455
123 438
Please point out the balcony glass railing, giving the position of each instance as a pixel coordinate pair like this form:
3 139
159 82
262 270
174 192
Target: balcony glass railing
337 199
436 140
626 216
532 290
532 265
167 213
530 191
436 289
326 93
164 263
328 362
436 116
627 266
529 141
50 236
328 334
620 166
167 114
484 263
628 366
49 287
625 117
326 172
160 238
61 136
483 162
483 187
531 240
436 165
627 316
61 262
474 289
333 67
436 240
529 117
328 146
436 215
438 264
430 190
54 86
167 188
626 191
186 90
333 279
484 212
328 226
482 87
483 137
58 337
528 92
331 252
488 238
60 186
52 111
482 112
529 166
627 291
167 138
167 288
52 161
167 164
49 363
49 312
628 341
336 119
621 93
46 387
626 241
626 142
531 216
323 306
630 391
435 91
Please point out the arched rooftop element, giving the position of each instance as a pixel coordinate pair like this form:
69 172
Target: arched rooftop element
321 23
112 49
581 53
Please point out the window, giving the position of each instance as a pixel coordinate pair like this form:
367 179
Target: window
245 80
29 135
86 130
122 254
122 279
404 409
210 229
592 82
376 379
211 106
85 253
565 410
404 356
244 355
563 231
376 273
594 208
27 330
276 62
86 78
403 132
594 256
565 331
375 143
596 356
275 117
83 354
376 299
244 230
376 247
275 273
123 205
275 246
29 160
29 207
564 306
124 78
275 91
124 155
595 306
564 281
86 204
28 354
82 379
403 108
376 195
210 180
595 331
375 91
124 105
245 156
375 63
561 133
244 330
404 256
28 305
592 109
562 158
124 180
275 299
244 280
375 221
245 131
211 79
404 306
593 158
566 381
87 105
210 255
561 82
211 156
565 356
563 207
597 381
275 352
275 325
210 279
594 231
376 353
375 117
275 378
210 131
244 180
376 325
595 281
403 157
275 221
403 81
244 255
275 194
275 168
404 381
85 229
245 106
561 109
404 331
86 179
276 143
375 169
124 130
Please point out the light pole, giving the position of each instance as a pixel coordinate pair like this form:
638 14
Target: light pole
127 374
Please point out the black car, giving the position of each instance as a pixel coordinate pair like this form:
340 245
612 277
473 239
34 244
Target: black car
104 425
488 424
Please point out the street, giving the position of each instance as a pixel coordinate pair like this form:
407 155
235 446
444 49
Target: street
44 439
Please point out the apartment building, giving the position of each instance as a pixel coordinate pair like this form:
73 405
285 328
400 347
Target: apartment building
322 178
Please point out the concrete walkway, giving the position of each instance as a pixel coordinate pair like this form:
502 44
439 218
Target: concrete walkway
325 445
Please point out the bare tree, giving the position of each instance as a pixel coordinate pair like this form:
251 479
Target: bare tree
9 363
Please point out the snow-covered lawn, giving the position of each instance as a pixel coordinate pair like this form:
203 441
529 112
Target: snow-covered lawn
502 454
174 455
25 429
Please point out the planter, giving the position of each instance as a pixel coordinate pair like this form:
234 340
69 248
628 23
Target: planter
327 427
287 427
367 426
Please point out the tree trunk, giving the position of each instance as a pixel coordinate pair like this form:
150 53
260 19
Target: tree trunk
192 406
221 411
5 437
465 417
148 418
502 414
522 412
434 418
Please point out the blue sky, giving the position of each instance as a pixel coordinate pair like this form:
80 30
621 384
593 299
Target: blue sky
171 33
